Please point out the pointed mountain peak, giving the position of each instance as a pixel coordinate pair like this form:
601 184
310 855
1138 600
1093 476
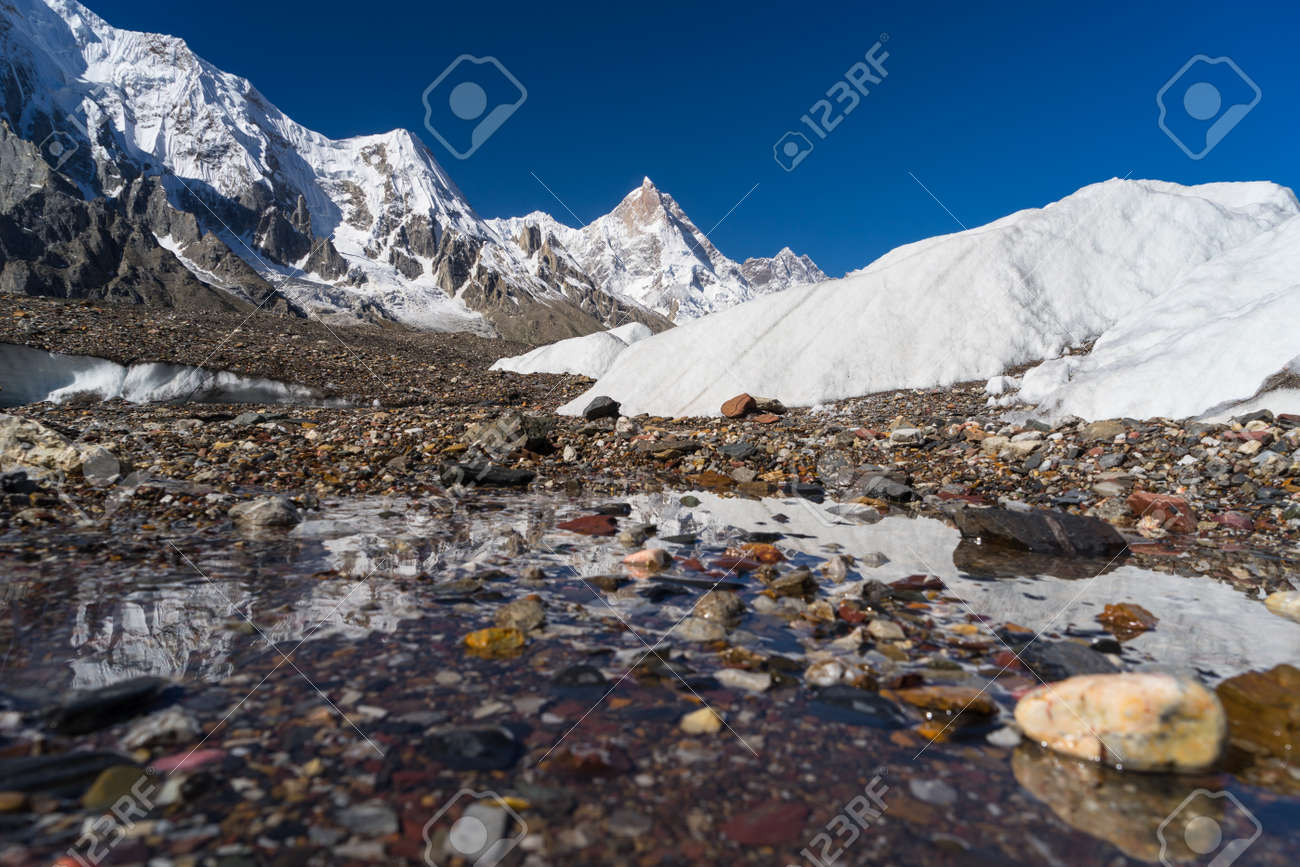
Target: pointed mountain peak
647 184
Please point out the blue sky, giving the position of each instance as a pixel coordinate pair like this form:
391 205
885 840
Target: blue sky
994 109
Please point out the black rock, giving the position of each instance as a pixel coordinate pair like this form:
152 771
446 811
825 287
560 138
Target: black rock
601 407
846 704
1057 660
65 775
882 487
1042 531
617 510
486 474
805 491
92 710
1072 497
579 676
483 749
682 539
1110 461
1106 645
738 451
16 482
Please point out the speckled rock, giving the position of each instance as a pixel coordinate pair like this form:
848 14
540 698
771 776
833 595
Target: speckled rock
1136 721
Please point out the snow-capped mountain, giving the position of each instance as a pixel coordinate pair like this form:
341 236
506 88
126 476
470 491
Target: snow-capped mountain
783 271
648 251
198 159
1154 272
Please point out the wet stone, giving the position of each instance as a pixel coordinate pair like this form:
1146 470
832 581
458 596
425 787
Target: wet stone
1042 531
113 783
1135 721
767 824
1057 660
579 676
487 475
89 711
369 820
522 614
476 749
848 704
265 512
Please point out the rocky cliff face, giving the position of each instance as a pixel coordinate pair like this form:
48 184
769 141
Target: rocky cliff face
55 242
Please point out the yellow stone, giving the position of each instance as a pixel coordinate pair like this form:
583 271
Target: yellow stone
701 722
495 642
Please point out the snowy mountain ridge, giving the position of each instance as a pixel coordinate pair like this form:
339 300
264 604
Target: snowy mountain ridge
649 251
369 227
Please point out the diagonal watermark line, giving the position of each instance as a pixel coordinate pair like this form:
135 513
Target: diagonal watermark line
283 656
937 201
729 213
563 204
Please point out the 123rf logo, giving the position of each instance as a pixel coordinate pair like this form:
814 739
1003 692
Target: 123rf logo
842 98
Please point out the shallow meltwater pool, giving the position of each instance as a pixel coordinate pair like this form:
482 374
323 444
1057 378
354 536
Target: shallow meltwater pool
331 659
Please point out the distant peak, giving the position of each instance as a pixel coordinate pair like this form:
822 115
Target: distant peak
647 184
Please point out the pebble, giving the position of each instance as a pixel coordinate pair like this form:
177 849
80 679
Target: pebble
649 558
699 629
935 792
111 784
522 614
1006 737
750 681
720 605
701 722
1285 603
628 823
885 630
1136 721
824 673
264 512
1263 708
370 820
170 727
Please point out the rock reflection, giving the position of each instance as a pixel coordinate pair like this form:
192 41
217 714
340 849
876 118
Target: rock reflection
1138 813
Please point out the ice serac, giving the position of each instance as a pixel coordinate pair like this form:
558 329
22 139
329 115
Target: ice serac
955 307
649 252
1221 339
369 227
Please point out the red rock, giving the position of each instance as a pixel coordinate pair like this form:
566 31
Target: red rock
851 612
767 418
1235 521
768 824
740 405
735 564
1126 620
917 582
187 761
1173 513
591 525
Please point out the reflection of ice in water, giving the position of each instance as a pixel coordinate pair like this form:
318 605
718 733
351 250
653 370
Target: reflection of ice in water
164 632
1204 625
